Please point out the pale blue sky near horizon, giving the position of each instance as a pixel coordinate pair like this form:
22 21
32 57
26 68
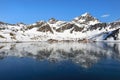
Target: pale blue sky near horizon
30 11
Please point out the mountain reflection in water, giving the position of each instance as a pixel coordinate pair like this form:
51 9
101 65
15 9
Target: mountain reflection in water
84 54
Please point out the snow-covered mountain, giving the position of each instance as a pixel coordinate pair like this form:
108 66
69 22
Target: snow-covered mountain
82 28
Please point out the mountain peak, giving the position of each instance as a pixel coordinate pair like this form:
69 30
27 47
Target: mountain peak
86 14
52 20
86 18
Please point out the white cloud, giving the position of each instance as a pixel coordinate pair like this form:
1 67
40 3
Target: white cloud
105 15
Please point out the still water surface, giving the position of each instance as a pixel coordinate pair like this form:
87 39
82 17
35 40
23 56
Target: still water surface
59 61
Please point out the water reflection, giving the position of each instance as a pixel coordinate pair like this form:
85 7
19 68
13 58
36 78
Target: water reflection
85 54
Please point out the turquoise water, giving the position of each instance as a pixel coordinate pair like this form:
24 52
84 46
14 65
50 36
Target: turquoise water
59 61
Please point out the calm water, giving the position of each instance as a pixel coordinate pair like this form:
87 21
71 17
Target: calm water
59 61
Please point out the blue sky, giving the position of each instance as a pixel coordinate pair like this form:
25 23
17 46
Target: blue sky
30 11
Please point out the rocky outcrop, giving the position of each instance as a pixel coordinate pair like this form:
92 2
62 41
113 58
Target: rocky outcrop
76 29
85 19
52 21
45 28
98 26
37 24
114 25
65 27
114 34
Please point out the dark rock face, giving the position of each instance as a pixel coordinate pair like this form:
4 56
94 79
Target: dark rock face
96 26
38 24
86 19
20 23
52 21
114 25
69 26
65 27
76 29
113 34
2 23
45 28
